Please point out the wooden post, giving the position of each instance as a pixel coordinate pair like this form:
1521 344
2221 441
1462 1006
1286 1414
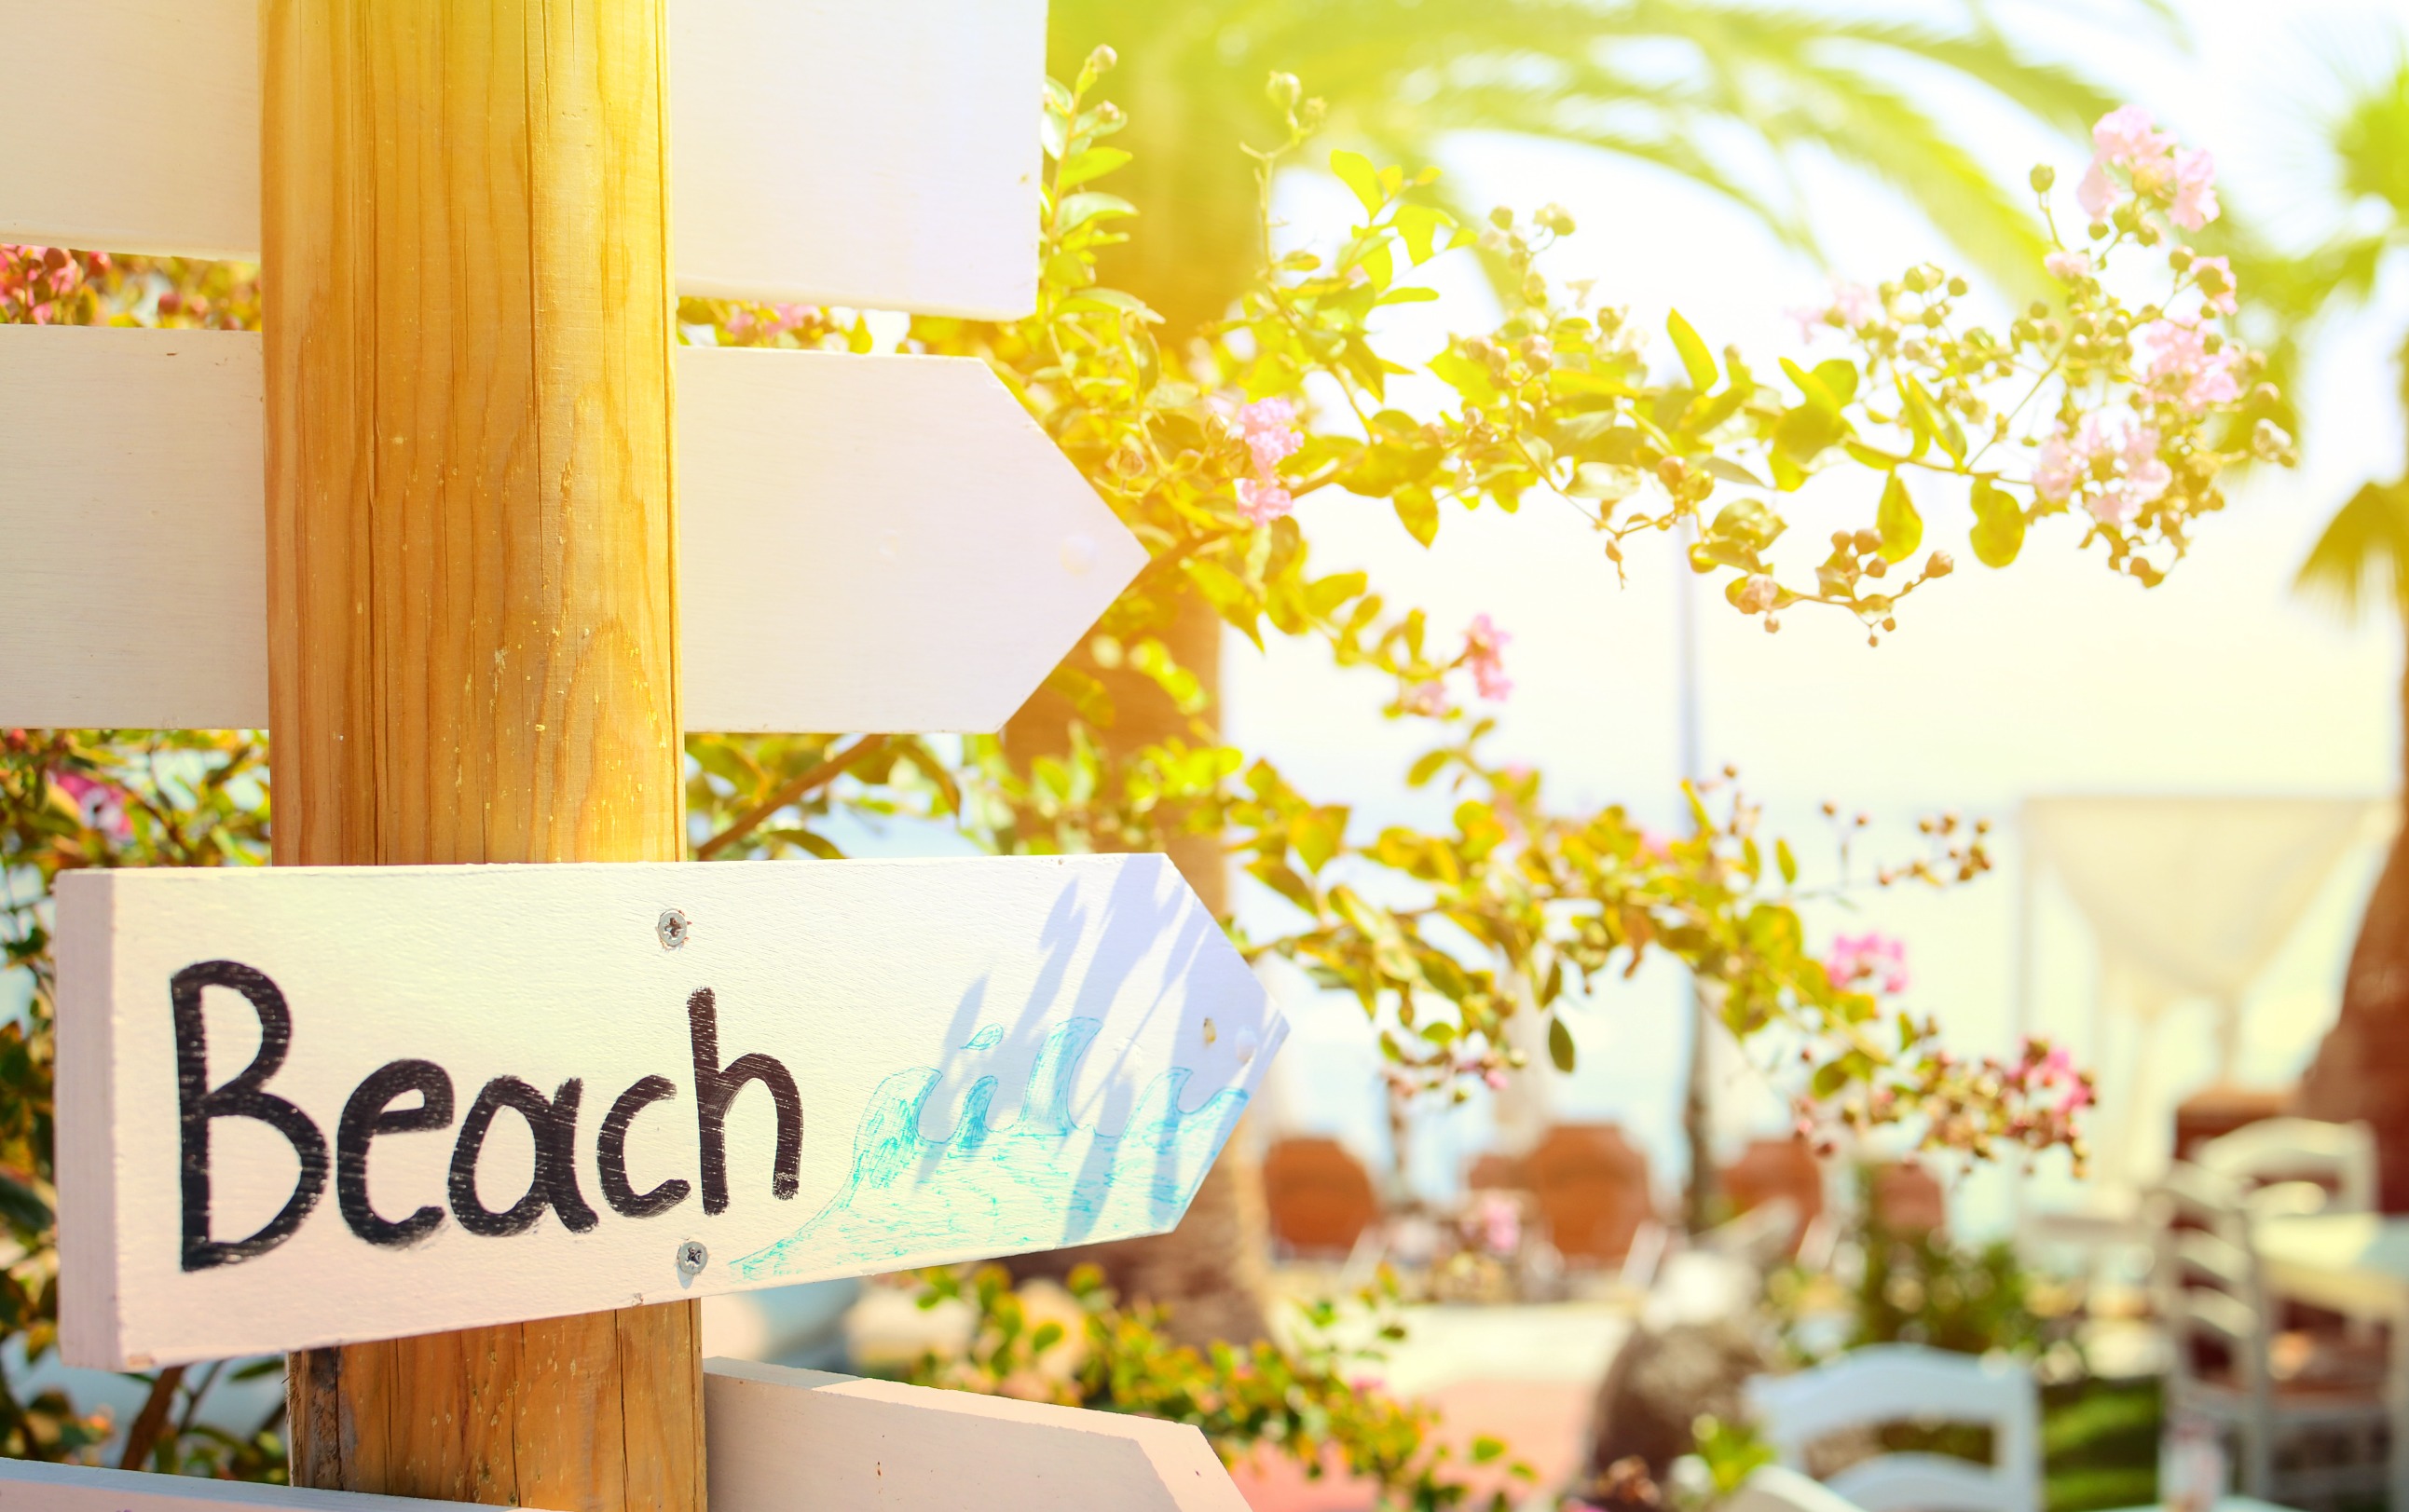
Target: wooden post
472 607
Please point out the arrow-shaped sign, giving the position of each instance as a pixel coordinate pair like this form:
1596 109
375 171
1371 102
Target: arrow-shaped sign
865 544
882 155
299 1107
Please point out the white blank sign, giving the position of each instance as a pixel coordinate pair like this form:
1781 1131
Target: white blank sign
300 1106
883 155
865 544
784 1440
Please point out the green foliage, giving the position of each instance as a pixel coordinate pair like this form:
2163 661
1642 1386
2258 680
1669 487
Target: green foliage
74 798
1312 1400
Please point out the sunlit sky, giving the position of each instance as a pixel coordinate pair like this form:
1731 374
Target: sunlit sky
2055 677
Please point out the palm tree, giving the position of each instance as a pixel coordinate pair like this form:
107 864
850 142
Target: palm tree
1723 93
2361 559
1747 88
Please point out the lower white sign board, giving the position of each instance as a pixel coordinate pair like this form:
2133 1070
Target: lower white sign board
29 1486
300 1106
780 1440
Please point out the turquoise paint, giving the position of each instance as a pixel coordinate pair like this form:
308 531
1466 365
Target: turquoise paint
985 1039
1042 1182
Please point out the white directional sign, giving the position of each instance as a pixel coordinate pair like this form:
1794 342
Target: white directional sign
865 544
883 156
302 1107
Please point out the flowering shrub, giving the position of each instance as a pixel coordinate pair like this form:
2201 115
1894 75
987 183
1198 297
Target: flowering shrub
1311 1399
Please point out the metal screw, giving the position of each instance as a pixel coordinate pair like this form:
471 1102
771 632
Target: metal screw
673 928
692 1258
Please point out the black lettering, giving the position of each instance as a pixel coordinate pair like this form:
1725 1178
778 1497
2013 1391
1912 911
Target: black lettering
611 1154
715 1088
368 1114
197 1104
553 1124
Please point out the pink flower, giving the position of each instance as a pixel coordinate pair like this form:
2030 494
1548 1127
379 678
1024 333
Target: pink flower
2125 138
2056 470
102 806
1876 959
1428 699
2078 1097
2065 267
2179 366
1852 307
2195 189
1269 429
2096 194
1261 502
1759 593
2222 301
1483 646
1501 1224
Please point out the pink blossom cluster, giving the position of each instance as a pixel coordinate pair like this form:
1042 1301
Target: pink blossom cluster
101 805
1852 307
1496 1224
767 323
2115 467
1268 426
2187 366
2125 142
2042 1069
34 281
1879 962
1484 645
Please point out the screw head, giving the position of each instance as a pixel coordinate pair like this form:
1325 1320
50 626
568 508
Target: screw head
673 928
692 1258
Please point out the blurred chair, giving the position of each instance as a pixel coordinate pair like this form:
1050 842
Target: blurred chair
2340 1157
1903 1383
2220 1108
1319 1198
1592 1187
2310 1421
1493 1172
1777 1170
1778 1489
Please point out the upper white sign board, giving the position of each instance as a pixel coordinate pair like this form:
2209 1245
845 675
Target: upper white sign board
864 543
300 1106
883 156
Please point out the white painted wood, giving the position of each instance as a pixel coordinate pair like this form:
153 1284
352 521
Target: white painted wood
882 156
866 544
785 1440
29 1486
134 581
989 1056
886 544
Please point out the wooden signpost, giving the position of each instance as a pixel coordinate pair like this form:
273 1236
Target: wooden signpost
477 540
409 1099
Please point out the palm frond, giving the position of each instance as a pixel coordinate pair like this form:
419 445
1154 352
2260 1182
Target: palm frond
2366 542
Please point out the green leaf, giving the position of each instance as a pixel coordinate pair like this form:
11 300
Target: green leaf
1410 295
1731 472
1092 163
1355 170
1560 1045
1999 532
1604 481
1418 511
1932 422
1426 767
1901 527
1787 861
1695 359
1079 209
1840 377
1379 264
1812 385
1420 225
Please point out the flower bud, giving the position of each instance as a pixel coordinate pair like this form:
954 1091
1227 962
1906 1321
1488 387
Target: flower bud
1866 541
1670 472
1502 218
1285 91
1940 564
2044 176
1102 60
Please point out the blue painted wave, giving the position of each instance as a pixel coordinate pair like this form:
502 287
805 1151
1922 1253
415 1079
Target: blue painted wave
1043 1181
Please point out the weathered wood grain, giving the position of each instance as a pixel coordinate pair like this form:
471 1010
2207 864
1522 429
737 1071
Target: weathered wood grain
865 544
880 155
470 580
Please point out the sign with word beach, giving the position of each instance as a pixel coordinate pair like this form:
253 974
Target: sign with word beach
303 1107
